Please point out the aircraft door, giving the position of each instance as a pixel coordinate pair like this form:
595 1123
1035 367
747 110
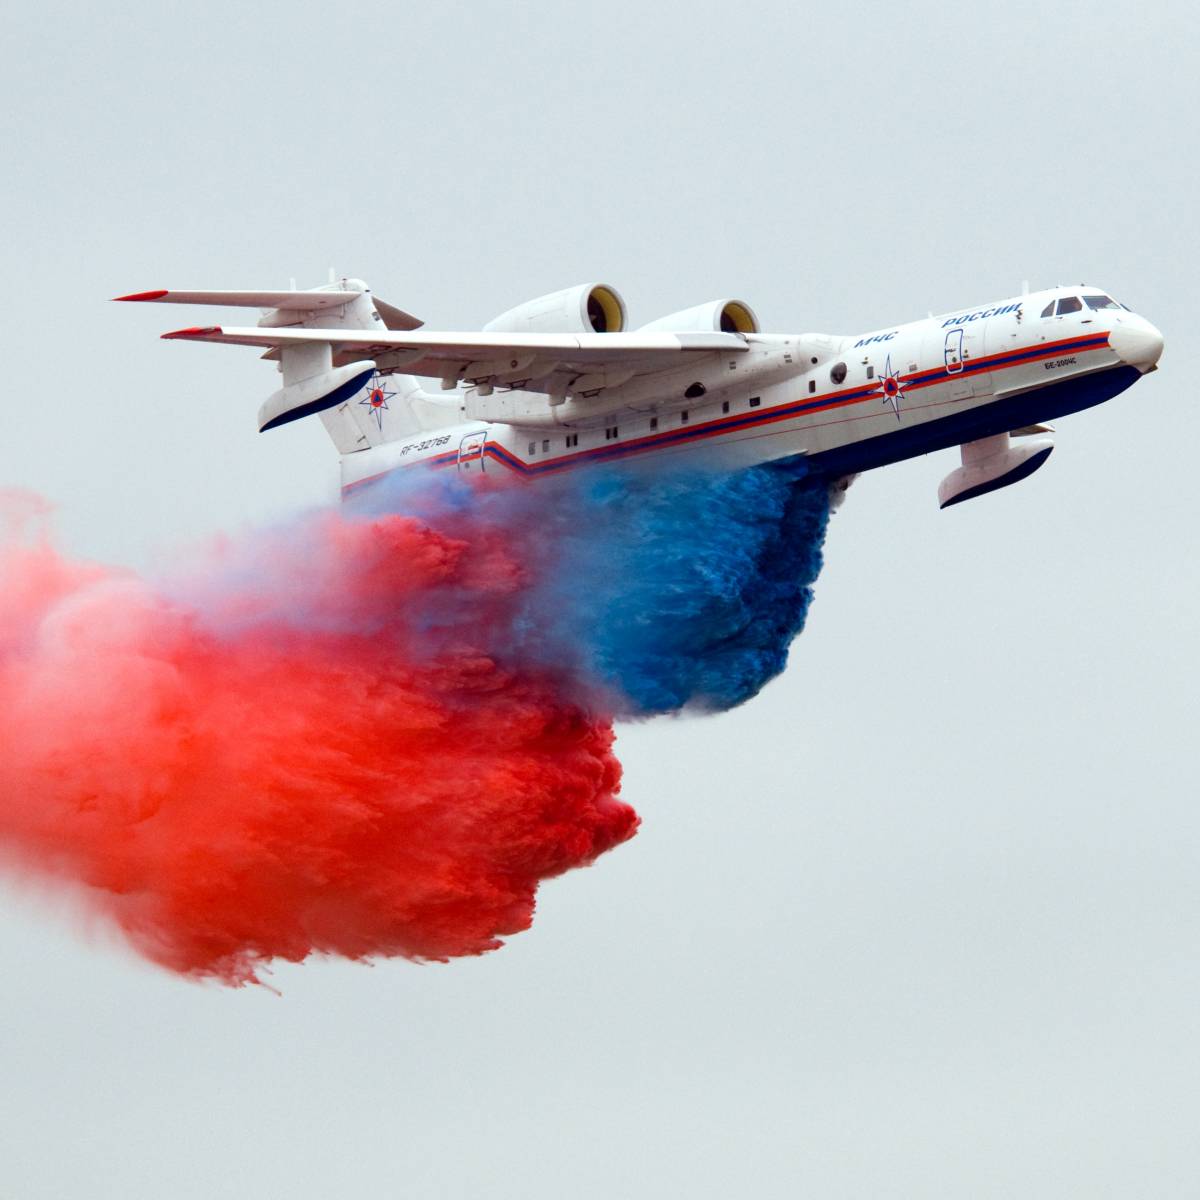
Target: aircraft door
470 451
961 347
954 351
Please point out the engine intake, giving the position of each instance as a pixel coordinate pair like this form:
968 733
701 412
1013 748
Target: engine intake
717 316
586 308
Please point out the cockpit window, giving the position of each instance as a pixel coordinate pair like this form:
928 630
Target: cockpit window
1069 304
1096 303
1048 311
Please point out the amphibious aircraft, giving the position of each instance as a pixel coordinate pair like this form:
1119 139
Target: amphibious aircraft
559 382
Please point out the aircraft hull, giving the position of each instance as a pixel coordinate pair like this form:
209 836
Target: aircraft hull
1046 403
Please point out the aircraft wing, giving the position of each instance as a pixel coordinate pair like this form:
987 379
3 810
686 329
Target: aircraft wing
546 362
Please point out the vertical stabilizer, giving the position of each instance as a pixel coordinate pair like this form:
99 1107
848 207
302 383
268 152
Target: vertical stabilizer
358 406
388 408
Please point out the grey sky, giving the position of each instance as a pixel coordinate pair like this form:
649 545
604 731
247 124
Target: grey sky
919 921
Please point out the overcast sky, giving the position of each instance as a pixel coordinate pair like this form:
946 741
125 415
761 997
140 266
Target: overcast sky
921 920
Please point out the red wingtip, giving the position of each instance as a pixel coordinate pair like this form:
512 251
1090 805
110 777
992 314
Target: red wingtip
194 331
155 295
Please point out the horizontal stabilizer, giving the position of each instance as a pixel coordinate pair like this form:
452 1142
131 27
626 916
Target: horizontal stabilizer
396 318
298 301
332 300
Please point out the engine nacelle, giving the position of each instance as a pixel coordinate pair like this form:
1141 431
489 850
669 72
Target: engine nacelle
717 316
994 462
587 308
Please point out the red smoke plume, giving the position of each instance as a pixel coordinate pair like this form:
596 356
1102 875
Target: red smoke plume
301 757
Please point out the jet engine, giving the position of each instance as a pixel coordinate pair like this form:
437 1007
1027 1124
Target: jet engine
994 462
717 316
587 308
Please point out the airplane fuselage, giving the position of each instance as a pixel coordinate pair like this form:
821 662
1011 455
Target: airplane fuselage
847 403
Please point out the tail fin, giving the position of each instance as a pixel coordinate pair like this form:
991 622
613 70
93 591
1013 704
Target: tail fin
386 409
359 406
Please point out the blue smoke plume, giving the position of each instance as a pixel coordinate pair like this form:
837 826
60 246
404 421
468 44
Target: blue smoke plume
660 591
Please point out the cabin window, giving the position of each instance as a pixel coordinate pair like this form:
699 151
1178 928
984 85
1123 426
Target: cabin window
870 372
653 424
545 445
1069 304
683 417
724 405
1096 303
533 447
812 386
838 372
755 401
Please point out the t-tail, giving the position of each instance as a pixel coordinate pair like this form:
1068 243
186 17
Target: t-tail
360 402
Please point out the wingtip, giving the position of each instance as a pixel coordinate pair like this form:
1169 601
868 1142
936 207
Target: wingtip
193 332
157 294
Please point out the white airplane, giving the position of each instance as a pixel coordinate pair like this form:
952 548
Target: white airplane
557 383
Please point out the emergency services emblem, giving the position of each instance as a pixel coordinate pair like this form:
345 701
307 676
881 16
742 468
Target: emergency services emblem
892 387
376 399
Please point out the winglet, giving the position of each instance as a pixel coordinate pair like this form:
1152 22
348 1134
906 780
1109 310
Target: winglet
194 332
157 294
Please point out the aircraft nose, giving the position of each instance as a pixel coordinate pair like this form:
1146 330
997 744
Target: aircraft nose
1137 343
